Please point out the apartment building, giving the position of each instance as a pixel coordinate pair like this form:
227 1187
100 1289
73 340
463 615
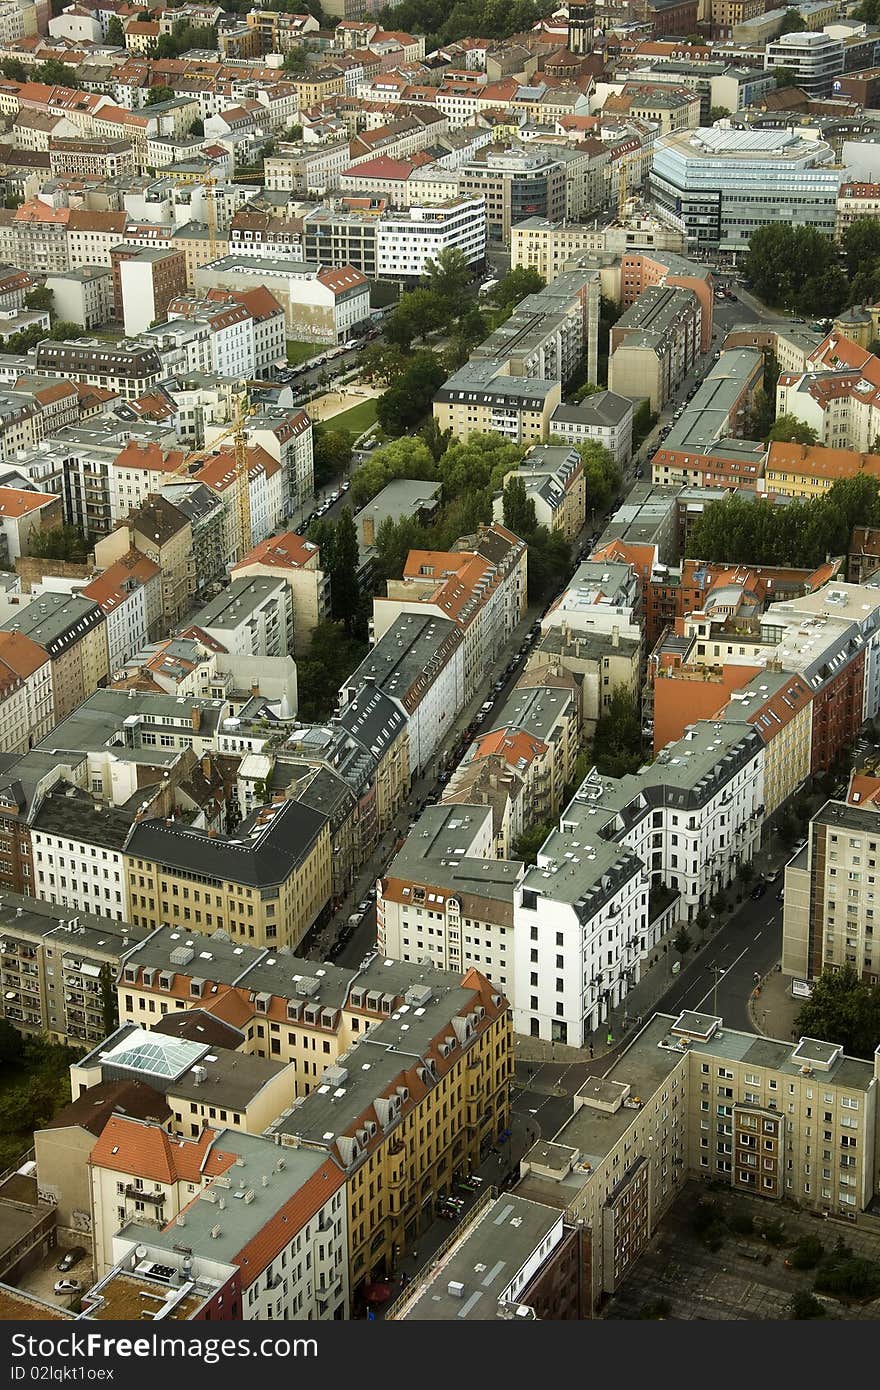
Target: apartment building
129 593
144 284
298 563
279 1253
551 334
545 1257
686 820
71 631
267 882
91 236
654 344
418 664
163 533
447 897
829 906
129 371
808 471
406 242
604 416
376 723
27 708
691 1096
320 305
814 60
549 246
515 184
854 201
252 617
446 1060
482 589
553 475
107 159
484 397
58 972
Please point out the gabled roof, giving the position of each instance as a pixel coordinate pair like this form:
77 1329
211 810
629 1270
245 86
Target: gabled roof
148 1151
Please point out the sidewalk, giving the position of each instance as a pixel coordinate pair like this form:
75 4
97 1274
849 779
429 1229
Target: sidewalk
773 1011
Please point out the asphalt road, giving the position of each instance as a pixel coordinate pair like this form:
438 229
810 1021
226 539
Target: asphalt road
750 942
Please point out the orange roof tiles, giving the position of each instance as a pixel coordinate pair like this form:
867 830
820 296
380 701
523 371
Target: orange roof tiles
147 1151
149 456
20 654
14 503
283 552
815 461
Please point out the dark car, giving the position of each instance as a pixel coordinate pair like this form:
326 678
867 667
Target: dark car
759 890
70 1258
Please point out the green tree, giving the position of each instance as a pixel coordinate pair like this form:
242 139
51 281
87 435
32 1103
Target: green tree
408 401
519 508
682 941
516 285
789 429
530 841
401 458
717 113
843 1009
792 267
115 32
158 94
480 461
548 563
11 1043
197 127
449 279
15 70
40 298
332 454
343 567
295 60
59 543
295 133
55 74
332 656
785 77
617 746
394 541
436 439
806 1305
418 313
602 478
793 23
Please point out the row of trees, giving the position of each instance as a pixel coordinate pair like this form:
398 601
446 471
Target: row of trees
445 304
799 533
53 73
797 268
442 23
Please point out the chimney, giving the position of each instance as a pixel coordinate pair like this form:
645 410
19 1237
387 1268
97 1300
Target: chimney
255 690
369 531
615 636
212 833
196 718
206 765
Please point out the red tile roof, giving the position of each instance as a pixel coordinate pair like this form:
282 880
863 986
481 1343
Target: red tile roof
148 1151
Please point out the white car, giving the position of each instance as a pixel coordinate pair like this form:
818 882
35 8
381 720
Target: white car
68 1286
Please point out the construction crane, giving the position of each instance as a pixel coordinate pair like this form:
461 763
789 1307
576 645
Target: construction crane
211 213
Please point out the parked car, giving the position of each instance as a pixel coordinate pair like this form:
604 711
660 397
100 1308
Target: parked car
759 889
486 706
70 1258
68 1286
364 905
